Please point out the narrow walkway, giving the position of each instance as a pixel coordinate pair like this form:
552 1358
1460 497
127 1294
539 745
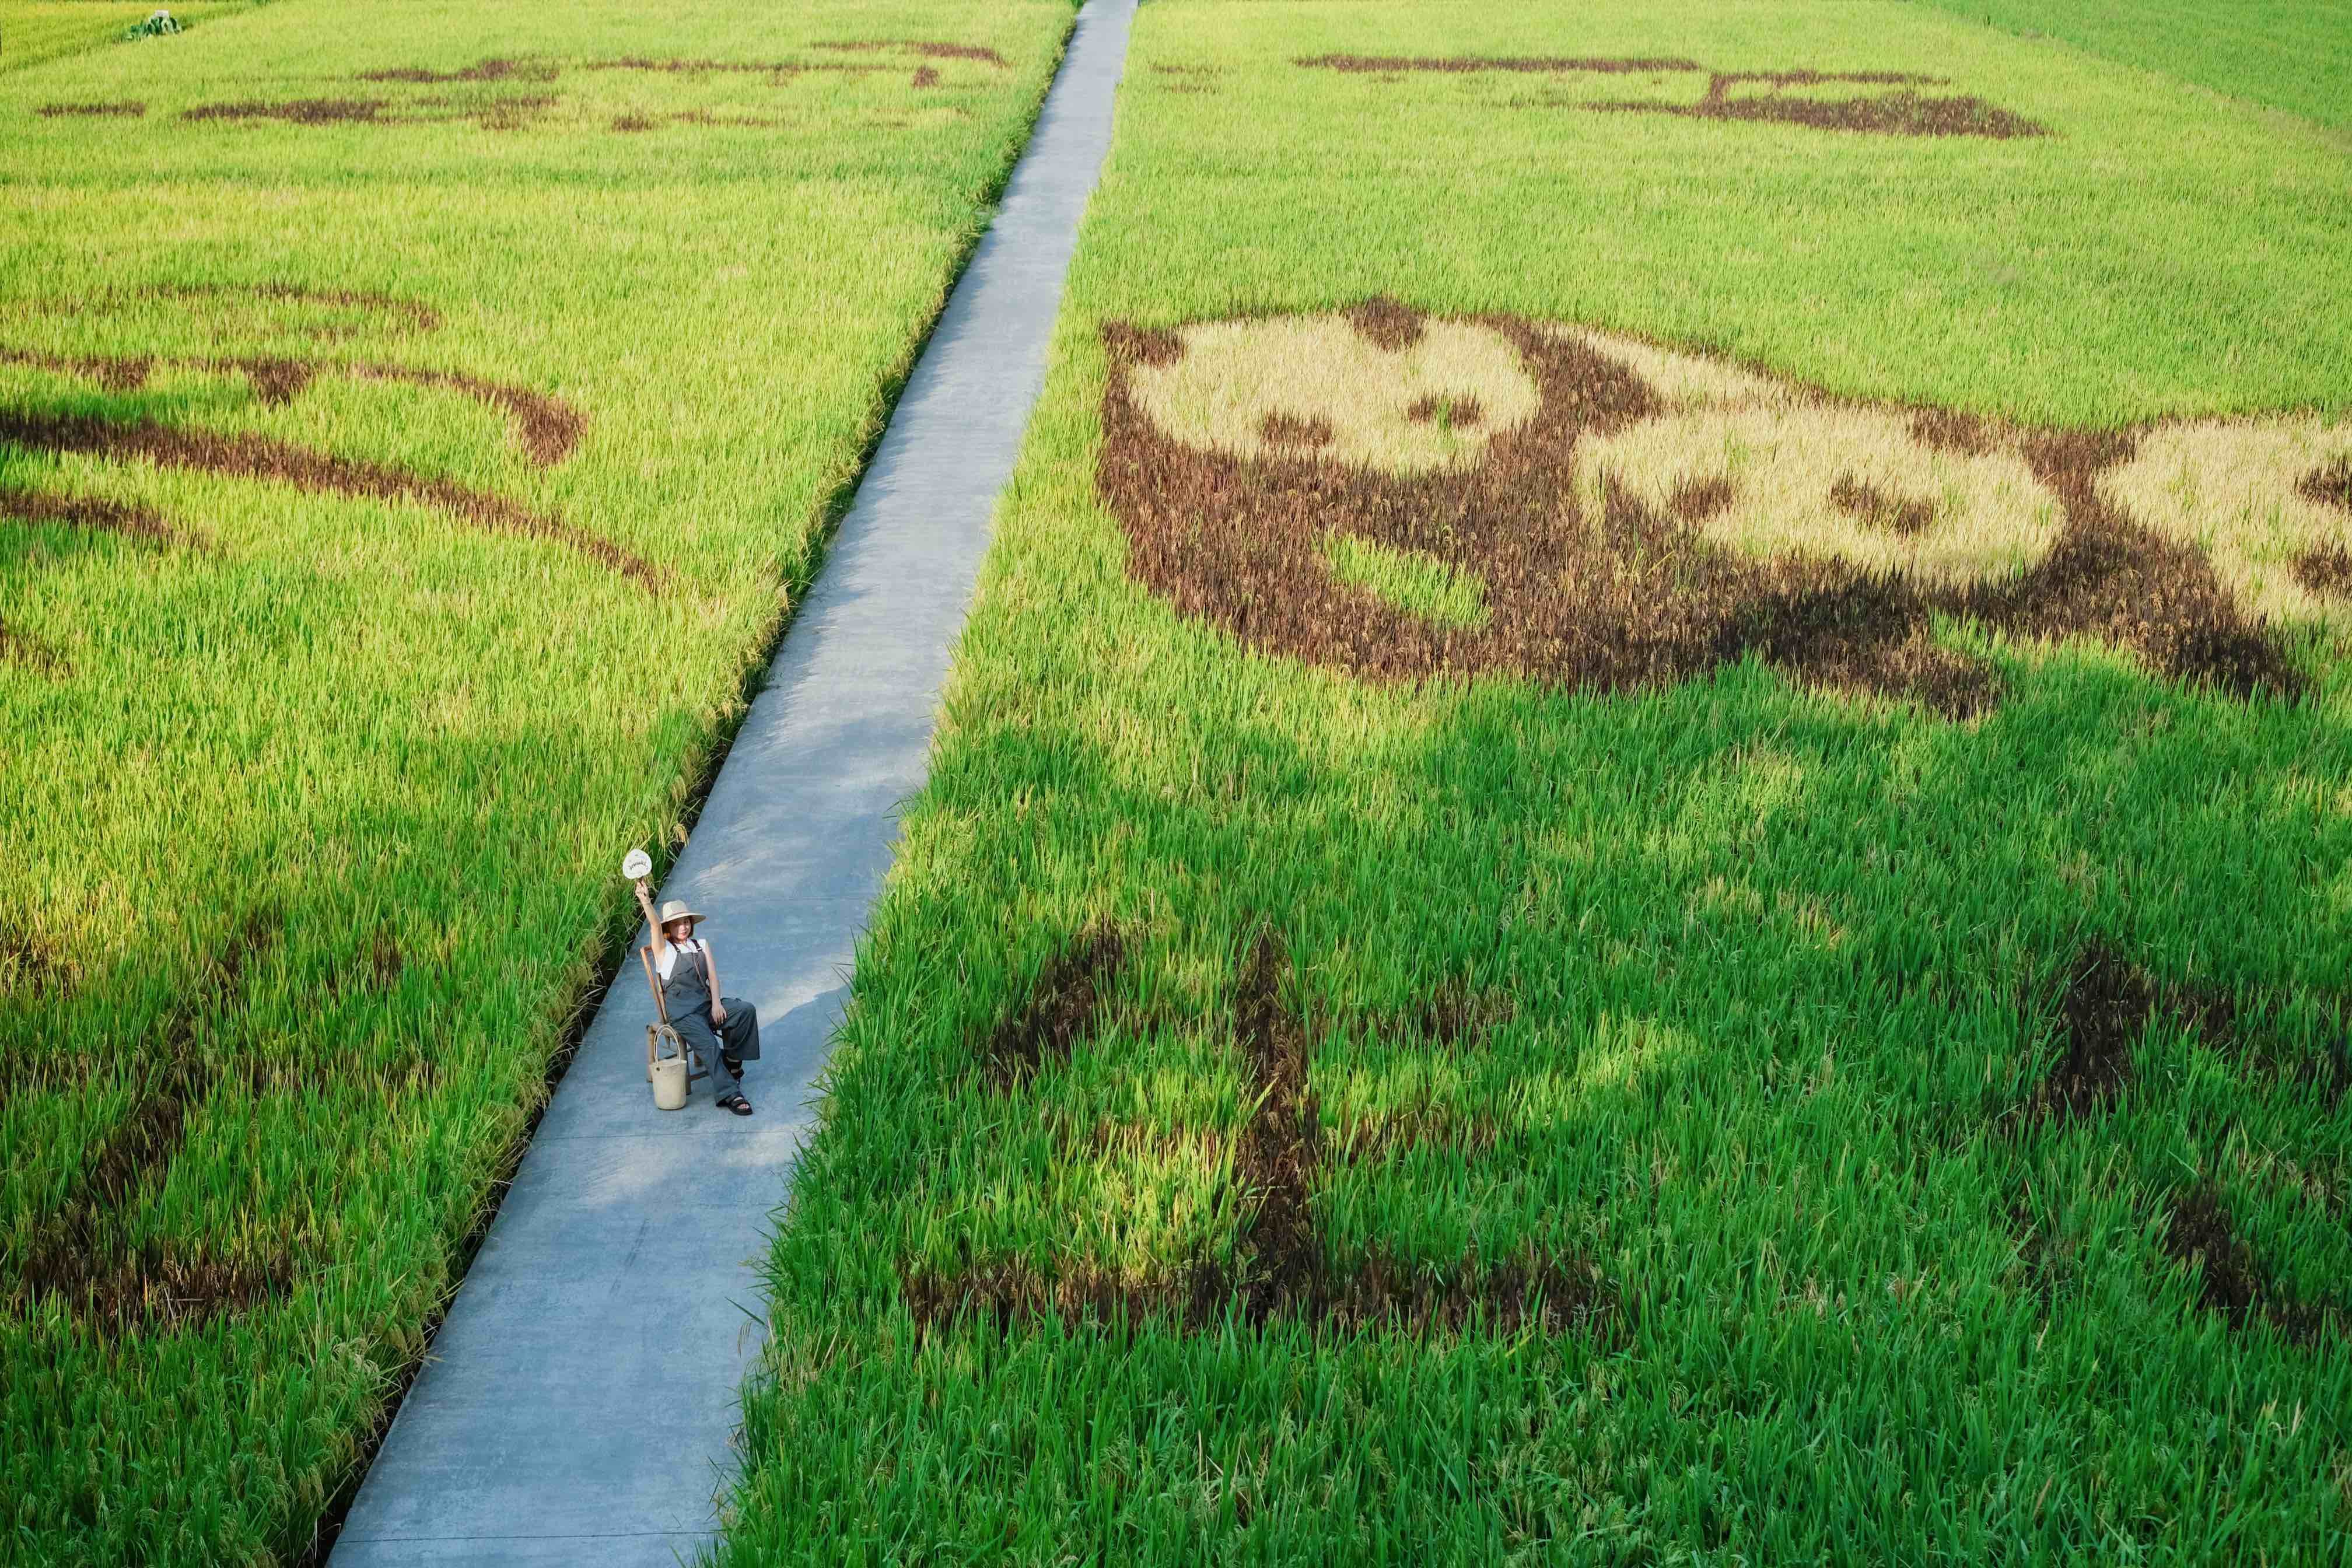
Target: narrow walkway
578 1401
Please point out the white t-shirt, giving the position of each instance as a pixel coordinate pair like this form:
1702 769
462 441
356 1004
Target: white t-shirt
668 960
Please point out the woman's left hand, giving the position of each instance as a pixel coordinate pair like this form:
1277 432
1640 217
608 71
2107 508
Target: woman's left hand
718 1015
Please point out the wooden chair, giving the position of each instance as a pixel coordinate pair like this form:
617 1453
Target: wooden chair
658 1032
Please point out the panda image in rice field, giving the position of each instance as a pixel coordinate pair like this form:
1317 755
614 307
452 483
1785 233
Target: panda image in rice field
1403 495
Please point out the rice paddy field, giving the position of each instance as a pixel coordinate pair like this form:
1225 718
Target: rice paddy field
1639 854
2288 54
416 421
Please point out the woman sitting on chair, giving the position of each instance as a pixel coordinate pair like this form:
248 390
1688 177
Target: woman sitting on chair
724 1030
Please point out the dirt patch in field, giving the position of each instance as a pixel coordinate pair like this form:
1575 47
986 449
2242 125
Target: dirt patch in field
546 429
2233 1283
2106 1003
1190 78
129 108
2328 486
680 67
507 113
2328 570
1881 508
298 111
1382 1137
377 967
26 652
280 462
1458 1012
1830 561
1464 413
927 76
1387 324
725 122
1900 113
1559 1297
2103 1007
283 309
1904 113
32 964
1278 429
493 69
408 315
928 48
115 372
1062 1009
1543 64
2328 1071
91 514
1281 1146
1143 345
151 1288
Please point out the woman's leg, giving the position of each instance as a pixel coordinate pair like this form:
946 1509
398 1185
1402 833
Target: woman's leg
742 1031
696 1033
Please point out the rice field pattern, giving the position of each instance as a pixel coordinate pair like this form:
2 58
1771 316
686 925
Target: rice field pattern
500 94
1402 496
1276 1262
132 427
1830 100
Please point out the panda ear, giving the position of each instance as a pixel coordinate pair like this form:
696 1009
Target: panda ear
1387 324
1132 345
2270 501
1685 381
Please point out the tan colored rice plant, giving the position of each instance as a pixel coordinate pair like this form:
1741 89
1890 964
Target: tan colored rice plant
1825 481
1299 385
2251 493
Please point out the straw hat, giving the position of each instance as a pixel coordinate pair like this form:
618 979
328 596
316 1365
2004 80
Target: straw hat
676 910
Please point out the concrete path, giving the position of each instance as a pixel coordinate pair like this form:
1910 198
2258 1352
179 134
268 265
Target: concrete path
578 1403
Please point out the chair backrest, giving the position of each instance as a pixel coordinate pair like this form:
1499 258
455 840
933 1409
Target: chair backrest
646 957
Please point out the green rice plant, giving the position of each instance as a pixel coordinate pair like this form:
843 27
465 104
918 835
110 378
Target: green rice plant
403 471
2288 54
1410 580
33 31
1721 1116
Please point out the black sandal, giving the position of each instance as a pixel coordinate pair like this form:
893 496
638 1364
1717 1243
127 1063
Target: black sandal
734 1066
736 1104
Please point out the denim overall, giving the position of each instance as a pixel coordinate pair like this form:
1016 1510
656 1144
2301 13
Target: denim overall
687 996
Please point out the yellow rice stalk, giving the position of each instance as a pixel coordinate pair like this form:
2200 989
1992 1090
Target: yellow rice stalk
2229 486
1991 518
1234 375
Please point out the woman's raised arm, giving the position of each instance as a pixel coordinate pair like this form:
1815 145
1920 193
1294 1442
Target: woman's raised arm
645 902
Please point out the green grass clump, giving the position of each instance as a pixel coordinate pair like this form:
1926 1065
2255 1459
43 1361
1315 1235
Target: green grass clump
1410 580
396 496
2294 54
1729 1122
